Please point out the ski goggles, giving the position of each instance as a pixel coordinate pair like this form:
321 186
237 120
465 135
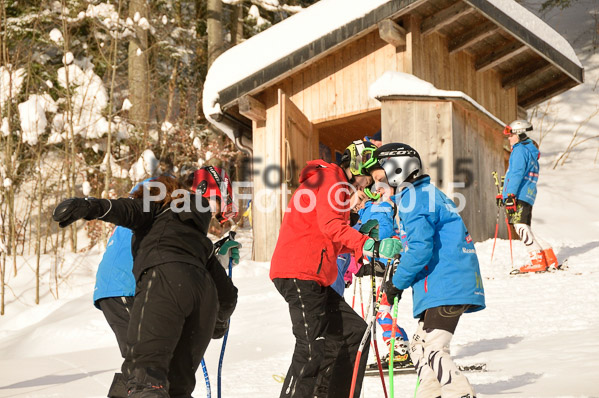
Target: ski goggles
371 195
368 159
507 131
228 212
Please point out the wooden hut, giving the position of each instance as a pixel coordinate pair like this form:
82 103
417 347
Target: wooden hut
300 90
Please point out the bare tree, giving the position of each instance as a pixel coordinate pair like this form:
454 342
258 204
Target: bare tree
573 143
214 29
139 78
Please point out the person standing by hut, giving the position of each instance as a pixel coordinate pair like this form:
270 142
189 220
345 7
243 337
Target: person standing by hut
520 192
314 231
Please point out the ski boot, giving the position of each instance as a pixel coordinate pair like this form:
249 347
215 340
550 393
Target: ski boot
550 259
537 263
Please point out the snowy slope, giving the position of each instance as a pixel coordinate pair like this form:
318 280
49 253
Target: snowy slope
538 334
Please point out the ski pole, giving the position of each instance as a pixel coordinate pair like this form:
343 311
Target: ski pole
207 379
497 219
509 229
392 342
361 298
353 300
222 350
374 342
369 323
417 385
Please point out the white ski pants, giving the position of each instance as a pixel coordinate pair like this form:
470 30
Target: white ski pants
532 242
438 375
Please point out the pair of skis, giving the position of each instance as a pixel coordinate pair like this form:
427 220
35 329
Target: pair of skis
217 246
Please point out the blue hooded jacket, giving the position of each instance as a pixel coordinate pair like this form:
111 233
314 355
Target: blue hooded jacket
438 261
114 277
523 172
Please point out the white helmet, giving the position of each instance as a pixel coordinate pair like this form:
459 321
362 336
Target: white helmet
399 161
520 127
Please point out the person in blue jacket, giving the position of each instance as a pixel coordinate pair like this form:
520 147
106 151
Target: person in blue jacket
438 262
519 194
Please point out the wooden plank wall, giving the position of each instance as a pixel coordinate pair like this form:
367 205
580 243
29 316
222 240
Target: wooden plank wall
433 63
426 127
457 144
267 147
337 85
478 143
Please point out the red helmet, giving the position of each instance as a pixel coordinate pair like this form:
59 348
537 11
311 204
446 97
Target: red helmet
214 182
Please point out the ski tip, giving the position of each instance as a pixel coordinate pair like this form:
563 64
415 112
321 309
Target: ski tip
475 367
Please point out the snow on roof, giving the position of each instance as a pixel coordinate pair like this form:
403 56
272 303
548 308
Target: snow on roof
403 84
279 41
537 26
303 28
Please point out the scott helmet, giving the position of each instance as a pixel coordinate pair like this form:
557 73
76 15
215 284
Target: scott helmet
360 156
399 161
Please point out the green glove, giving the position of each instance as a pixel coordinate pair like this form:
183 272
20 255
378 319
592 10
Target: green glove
371 228
388 247
230 248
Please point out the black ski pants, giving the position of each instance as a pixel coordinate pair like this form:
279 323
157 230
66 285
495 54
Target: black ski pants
117 311
172 321
327 336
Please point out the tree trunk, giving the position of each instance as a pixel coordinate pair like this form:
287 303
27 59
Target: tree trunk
237 23
139 77
214 29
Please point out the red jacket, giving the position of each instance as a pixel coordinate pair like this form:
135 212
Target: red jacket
314 232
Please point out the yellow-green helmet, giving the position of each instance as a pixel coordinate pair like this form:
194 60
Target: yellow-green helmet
360 156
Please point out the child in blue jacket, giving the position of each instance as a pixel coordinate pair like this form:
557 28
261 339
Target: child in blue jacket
520 192
439 263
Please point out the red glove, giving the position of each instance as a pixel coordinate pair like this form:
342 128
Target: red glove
510 203
499 200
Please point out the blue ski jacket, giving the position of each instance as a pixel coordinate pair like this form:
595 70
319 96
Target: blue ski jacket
114 277
523 172
439 260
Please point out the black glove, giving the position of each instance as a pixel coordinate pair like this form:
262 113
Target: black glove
511 204
379 269
70 210
220 328
389 288
365 269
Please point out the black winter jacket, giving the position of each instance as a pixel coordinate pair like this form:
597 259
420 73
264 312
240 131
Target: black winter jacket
161 235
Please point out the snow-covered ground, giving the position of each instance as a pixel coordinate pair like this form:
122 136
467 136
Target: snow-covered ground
538 334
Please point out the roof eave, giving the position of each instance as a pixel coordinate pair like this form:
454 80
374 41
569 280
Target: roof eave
532 41
313 51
